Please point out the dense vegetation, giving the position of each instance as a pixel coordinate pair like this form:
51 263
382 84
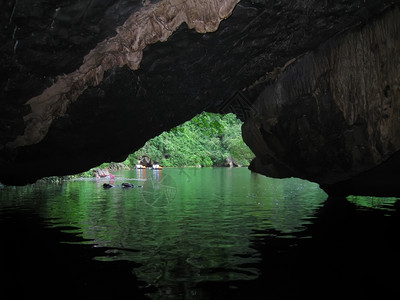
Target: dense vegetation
206 140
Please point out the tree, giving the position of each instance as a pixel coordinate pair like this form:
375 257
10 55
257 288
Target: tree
207 140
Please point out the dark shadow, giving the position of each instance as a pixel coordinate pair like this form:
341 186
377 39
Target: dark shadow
346 252
36 261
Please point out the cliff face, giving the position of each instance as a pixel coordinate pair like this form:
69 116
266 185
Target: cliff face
332 116
88 82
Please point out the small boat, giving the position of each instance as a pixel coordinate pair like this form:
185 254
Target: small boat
140 167
157 167
127 185
107 186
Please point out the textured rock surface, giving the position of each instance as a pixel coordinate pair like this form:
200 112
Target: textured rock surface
90 81
154 23
334 113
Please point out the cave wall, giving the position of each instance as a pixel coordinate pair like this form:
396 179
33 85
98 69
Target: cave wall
332 116
91 81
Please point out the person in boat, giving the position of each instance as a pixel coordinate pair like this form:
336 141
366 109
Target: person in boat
156 166
139 165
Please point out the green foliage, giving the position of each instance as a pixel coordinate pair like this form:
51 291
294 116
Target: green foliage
206 140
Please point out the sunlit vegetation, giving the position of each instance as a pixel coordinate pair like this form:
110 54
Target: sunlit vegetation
206 140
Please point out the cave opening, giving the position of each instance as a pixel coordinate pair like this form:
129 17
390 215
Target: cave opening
207 140
323 84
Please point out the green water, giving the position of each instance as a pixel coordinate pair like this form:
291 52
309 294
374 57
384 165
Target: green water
184 226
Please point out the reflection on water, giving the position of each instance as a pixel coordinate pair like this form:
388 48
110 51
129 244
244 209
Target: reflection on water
385 203
183 226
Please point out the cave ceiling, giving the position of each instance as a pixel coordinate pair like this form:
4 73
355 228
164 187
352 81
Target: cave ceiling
86 82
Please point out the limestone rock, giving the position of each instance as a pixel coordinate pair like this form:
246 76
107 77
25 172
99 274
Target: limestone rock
86 82
334 114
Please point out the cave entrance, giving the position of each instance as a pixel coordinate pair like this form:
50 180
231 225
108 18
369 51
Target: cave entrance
207 140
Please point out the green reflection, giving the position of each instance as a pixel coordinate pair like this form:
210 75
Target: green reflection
184 225
372 202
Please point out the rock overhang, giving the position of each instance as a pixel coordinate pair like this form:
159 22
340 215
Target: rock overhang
186 73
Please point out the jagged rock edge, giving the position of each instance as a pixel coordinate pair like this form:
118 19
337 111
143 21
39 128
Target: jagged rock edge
331 63
153 23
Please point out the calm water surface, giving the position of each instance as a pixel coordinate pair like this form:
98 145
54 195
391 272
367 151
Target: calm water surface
183 227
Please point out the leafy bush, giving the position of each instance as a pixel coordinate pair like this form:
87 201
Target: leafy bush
207 140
